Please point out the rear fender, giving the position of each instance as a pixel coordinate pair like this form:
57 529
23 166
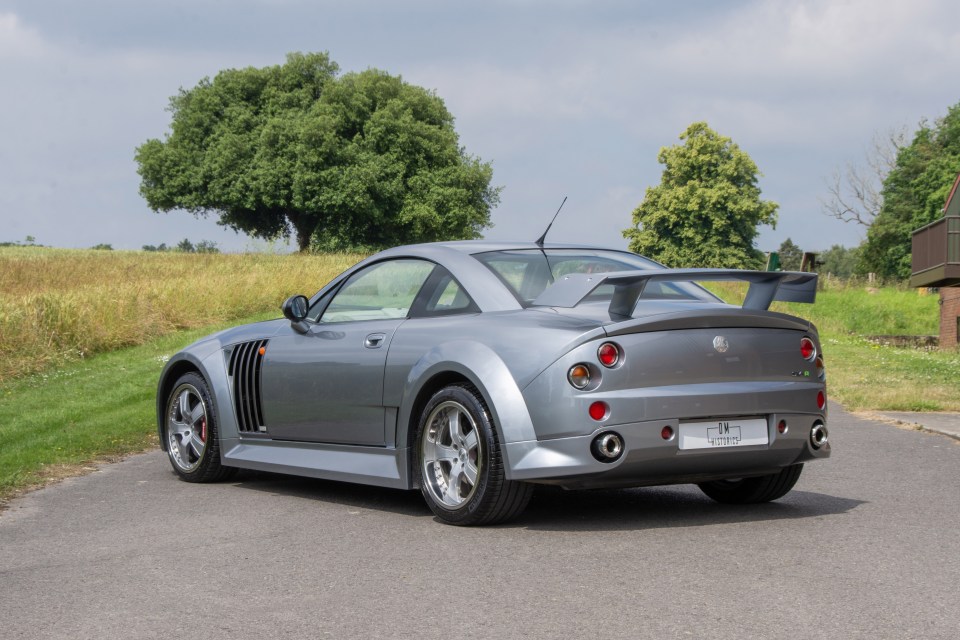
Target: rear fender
480 365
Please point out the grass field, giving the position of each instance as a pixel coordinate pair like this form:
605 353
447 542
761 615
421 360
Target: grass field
52 424
58 305
83 336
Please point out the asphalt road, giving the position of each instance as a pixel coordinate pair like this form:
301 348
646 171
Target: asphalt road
866 546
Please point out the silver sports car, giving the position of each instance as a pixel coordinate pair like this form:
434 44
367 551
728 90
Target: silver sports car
476 370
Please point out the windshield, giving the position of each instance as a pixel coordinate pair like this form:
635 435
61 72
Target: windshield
528 272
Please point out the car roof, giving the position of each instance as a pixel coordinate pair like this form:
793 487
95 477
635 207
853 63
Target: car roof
484 286
482 246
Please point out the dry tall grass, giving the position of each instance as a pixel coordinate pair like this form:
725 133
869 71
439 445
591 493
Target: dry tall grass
58 305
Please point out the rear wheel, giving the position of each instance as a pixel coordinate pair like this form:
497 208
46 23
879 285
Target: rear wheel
753 490
460 464
191 432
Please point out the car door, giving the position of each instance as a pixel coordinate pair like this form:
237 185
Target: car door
326 384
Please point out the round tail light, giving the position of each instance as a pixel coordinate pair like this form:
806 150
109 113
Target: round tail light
579 376
821 371
807 349
608 354
599 410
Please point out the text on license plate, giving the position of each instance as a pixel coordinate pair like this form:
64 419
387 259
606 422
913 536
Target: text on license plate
729 432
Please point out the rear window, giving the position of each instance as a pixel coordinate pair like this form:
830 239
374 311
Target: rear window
528 272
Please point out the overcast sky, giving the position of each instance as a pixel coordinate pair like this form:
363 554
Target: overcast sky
564 97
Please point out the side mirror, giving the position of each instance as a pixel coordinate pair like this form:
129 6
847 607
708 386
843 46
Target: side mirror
295 310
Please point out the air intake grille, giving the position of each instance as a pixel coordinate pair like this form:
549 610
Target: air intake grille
245 364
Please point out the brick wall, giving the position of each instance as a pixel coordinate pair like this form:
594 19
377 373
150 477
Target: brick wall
949 317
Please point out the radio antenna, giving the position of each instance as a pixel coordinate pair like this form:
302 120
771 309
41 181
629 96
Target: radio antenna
544 236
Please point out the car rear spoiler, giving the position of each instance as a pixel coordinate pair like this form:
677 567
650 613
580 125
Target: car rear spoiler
765 286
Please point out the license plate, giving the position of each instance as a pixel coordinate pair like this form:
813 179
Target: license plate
723 434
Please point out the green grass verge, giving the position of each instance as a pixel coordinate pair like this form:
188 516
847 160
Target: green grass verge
54 423
862 376
865 311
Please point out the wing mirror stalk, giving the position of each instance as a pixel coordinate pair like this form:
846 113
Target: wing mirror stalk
295 310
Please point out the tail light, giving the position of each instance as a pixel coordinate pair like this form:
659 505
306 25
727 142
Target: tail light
807 349
599 410
609 354
579 376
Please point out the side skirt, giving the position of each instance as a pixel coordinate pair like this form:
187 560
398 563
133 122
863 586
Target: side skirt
379 466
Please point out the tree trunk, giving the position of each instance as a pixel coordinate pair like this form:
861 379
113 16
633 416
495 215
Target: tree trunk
303 239
303 230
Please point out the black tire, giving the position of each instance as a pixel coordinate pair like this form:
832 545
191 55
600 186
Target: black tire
444 461
191 432
753 490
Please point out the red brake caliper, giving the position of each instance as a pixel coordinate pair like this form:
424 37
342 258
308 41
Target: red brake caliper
203 430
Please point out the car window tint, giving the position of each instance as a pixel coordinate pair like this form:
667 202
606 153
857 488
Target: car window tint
381 291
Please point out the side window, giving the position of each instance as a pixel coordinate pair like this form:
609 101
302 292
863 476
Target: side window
442 296
451 297
381 291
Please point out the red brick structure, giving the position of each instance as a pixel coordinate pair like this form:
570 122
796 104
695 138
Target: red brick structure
949 317
936 263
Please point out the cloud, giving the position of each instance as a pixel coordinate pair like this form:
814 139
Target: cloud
789 71
570 98
17 41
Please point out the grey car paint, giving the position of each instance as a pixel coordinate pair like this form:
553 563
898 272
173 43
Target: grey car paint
327 385
339 410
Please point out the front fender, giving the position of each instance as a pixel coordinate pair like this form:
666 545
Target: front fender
194 358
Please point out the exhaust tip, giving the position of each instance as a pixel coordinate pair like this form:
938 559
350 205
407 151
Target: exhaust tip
607 447
818 434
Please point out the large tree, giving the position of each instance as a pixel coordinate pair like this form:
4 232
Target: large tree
914 193
359 160
707 207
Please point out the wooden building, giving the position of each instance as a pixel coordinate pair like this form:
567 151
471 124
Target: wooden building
936 263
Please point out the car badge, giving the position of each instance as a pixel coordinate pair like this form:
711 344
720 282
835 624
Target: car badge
721 344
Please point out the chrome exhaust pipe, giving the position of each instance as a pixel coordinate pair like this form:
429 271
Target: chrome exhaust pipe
607 447
818 435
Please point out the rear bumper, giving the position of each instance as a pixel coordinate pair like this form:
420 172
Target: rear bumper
648 459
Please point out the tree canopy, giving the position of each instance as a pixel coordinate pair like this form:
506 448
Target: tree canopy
838 261
355 160
791 256
707 207
914 193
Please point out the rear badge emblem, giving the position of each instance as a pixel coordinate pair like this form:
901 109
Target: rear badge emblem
721 344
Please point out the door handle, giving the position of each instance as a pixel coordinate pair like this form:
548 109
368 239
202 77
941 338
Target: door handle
374 340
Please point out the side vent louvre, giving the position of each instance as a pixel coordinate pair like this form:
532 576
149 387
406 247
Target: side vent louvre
246 361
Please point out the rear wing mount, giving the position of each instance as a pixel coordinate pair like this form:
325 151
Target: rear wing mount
765 286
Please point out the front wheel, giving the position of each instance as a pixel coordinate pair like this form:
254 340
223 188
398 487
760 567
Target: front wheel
753 490
191 432
459 462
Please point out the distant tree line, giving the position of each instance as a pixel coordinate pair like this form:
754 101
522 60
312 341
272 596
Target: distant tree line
838 260
29 241
185 246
